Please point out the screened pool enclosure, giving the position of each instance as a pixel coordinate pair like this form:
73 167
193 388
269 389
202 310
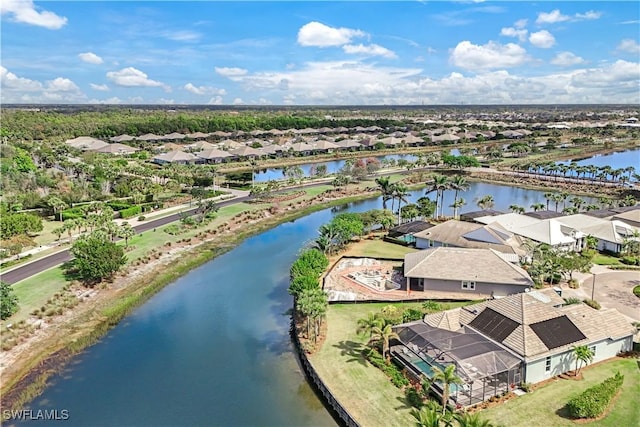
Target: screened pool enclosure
485 368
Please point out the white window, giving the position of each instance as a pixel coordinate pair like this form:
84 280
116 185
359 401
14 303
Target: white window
593 350
468 285
547 364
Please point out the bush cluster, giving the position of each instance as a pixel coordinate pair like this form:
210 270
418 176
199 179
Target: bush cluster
130 212
72 213
594 401
592 303
630 260
118 205
392 371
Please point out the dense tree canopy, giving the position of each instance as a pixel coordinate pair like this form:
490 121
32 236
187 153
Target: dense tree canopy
96 257
8 301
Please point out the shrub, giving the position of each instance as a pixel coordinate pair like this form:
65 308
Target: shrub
630 260
636 291
72 213
411 314
594 401
392 371
413 397
142 218
573 284
526 387
431 306
572 300
129 212
592 303
117 205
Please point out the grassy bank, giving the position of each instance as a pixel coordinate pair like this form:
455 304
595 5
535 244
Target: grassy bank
544 407
361 388
80 332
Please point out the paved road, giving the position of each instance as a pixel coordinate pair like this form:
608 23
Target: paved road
58 258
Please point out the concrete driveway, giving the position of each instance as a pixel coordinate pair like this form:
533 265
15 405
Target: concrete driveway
613 289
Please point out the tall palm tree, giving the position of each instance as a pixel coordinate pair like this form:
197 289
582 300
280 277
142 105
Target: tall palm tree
516 208
548 197
367 324
58 205
457 183
126 232
400 192
384 334
386 188
577 202
457 205
583 354
446 377
439 184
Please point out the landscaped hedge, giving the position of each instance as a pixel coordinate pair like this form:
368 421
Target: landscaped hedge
132 211
117 205
72 213
594 401
392 371
148 207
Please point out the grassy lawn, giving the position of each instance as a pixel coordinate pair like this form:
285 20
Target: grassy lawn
46 236
544 406
34 292
379 249
362 389
602 259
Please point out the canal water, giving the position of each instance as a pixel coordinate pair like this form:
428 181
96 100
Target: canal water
617 160
213 348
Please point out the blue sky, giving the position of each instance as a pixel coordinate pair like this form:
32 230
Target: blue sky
320 53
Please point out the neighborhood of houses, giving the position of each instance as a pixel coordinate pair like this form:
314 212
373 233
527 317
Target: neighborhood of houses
519 334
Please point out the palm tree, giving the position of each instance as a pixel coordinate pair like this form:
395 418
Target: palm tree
426 417
400 192
516 209
446 377
384 334
466 419
69 225
126 232
583 354
439 184
457 205
457 183
537 207
548 196
367 324
577 202
486 202
58 205
386 188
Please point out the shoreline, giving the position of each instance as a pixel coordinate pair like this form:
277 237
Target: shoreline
88 325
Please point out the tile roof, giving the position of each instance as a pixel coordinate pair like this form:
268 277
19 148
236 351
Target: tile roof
480 265
465 234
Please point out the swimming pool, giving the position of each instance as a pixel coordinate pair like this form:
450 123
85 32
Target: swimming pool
428 371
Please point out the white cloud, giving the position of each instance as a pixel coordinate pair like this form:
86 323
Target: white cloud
371 50
521 33
231 72
567 59
216 100
555 16
492 55
543 39
17 89
431 50
619 76
204 90
112 100
320 35
166 101
628 45
24 11
61 84
520 23
552 17
182 35
238 101
590 15
102 88
90 58
11 82
132 77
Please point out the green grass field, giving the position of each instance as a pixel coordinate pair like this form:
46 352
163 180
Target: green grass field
360 387
602 259
379 249
34 292
544 407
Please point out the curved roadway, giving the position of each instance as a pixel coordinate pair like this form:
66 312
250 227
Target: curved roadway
58 258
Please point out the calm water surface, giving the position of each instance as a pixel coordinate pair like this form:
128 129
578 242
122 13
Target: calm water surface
213 348
618 160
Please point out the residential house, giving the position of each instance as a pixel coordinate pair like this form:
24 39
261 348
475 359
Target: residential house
463 234
86 143
213 155
116 149
497 344
175 157
122 138
463 273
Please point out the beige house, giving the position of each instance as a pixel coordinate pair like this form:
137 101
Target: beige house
462 273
